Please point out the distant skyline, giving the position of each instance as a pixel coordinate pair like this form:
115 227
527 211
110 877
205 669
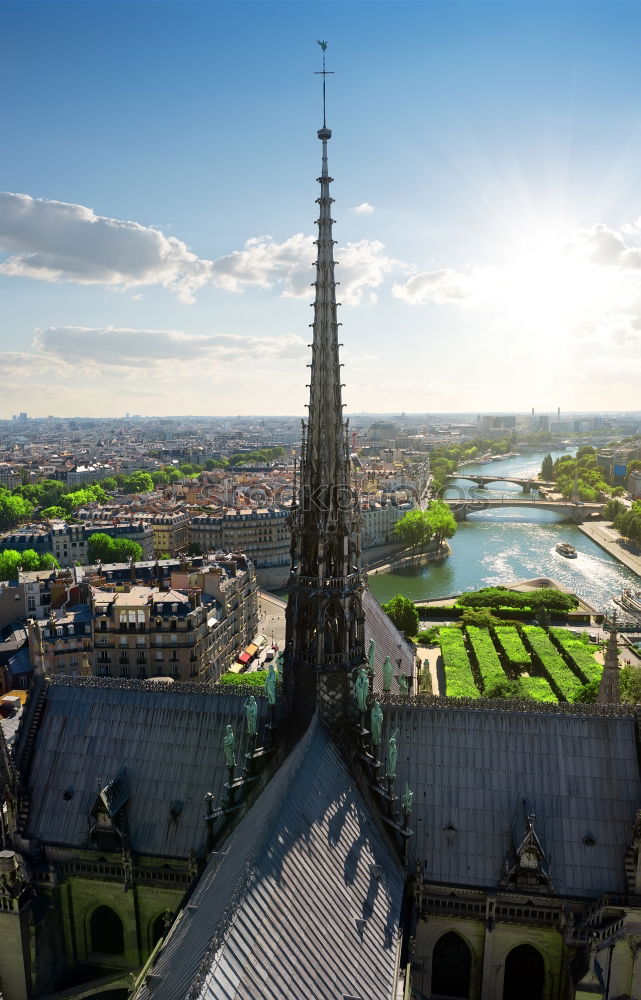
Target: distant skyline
159 180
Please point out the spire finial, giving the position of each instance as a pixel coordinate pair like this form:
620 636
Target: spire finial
324 72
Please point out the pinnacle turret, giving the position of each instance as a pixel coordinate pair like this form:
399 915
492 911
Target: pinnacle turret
609 689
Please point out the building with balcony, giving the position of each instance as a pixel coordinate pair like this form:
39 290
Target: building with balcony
191 630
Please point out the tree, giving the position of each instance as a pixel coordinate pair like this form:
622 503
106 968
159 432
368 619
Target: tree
587 693
13 509
53 513
11 561
138 482
612 509
547 469
102 547
79 498
481 617
414 530
630 683
402 611
124 550
441 520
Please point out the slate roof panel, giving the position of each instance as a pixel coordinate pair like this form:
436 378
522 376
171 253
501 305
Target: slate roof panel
297 870
471 767
170 742
389 642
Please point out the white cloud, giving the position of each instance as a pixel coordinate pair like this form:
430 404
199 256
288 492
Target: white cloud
134 350
56 241
288 265
607 247
441 287
363 209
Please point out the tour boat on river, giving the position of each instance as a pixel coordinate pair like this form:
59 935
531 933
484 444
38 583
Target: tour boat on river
567 550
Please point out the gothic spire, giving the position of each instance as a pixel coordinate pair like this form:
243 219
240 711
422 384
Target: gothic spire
324 613
609 692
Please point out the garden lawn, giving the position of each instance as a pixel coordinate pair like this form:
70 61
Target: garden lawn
459 682
537 688
487 659
510 643
579 653
553 664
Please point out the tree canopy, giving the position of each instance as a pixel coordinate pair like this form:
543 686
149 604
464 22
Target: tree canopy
11 561
414 530
102 547
13 509
440 520
402 611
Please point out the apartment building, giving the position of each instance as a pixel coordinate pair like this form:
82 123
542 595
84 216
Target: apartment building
192 630
261 533
70 542
378 522
170 532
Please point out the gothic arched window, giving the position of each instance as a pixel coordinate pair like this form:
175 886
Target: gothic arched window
333 628
106 931
524 974
451 967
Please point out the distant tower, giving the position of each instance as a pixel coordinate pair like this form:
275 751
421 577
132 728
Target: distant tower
609 691
325 619
558 413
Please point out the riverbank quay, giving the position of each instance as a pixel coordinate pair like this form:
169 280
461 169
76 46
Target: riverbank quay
605 535
409 559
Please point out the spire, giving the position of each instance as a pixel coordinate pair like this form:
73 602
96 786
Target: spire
324 612
609 692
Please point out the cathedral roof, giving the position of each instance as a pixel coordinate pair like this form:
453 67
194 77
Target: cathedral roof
389 642
306 900
168 738
470 768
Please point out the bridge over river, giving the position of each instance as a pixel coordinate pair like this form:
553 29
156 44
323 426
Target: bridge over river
526 484
576 512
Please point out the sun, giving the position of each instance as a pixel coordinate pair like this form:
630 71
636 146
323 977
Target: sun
546 287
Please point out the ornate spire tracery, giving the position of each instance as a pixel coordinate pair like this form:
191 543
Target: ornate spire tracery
324 613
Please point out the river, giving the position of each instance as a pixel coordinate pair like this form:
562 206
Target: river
497 546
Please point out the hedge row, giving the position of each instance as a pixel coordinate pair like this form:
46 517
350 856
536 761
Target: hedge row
511 645
514 614
537 688
459 682
553 664
579 653
485 655
499 597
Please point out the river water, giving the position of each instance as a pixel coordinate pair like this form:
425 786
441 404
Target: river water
498 546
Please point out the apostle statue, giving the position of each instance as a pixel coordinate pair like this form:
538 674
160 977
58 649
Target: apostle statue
228 745
251 714
270 684
388 673
361 689
371 653
376 724
392 755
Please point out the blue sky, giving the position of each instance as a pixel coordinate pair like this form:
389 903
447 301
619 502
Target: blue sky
159 177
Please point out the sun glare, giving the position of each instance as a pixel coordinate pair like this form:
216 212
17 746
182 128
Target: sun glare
546 287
